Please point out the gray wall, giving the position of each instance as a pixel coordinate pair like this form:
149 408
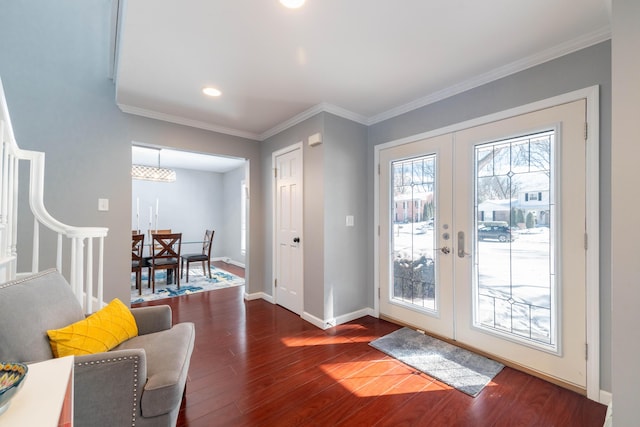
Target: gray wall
587 67
54 64
625 230
228 237
335 256
345 252
196 201
54 67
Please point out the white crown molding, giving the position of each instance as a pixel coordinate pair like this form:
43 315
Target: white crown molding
323 107
345 114
291 122
186 122
570 46
531 61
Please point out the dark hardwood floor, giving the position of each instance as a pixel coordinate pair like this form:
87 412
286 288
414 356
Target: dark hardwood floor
233 269
257 364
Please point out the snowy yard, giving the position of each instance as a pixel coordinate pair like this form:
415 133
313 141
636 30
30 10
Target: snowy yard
514 279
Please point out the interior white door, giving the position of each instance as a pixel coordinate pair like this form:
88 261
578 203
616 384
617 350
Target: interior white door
288 229
416 285
502 265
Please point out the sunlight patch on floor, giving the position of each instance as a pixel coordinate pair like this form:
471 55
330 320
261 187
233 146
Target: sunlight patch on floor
311 341
367 383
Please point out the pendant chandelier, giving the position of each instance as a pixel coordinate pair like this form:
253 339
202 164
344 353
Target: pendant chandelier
152 173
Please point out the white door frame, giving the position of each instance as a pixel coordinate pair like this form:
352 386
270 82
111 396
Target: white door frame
274 212
591 94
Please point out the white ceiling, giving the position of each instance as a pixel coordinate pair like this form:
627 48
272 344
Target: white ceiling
171 159
366 60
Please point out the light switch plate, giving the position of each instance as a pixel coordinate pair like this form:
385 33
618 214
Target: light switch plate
350 221
103 205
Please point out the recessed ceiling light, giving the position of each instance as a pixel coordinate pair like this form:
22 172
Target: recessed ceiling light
292 4
211 91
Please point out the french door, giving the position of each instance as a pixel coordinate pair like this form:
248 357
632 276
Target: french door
482 239
416 205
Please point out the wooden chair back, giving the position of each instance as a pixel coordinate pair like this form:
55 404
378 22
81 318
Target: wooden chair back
165 255
207 243
166 246
137 245
137 261
162 231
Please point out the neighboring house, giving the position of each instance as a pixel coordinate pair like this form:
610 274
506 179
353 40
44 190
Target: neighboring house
531 202
412 207
54 61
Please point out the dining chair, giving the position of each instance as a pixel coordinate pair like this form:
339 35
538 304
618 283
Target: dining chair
162 231
137 260
204 256
147 258
165 255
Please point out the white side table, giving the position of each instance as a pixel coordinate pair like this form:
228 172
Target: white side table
46 397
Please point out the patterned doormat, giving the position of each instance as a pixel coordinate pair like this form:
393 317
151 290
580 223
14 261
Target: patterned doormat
198 282
466 371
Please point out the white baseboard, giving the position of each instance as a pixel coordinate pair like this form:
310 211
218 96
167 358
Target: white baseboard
605 397
354 315
316 321
259 295
228 261
330 323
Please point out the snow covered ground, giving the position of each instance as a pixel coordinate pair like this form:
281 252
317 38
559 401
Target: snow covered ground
515 280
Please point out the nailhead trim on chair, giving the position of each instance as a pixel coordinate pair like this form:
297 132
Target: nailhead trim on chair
27 278
136 360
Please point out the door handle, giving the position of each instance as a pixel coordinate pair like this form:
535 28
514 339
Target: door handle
461 252
445 250
296 240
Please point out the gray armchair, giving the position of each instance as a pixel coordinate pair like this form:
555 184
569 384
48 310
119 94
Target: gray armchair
140 382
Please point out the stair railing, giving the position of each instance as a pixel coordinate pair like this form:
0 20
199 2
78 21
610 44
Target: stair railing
81 273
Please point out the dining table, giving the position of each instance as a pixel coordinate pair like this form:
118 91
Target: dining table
147 258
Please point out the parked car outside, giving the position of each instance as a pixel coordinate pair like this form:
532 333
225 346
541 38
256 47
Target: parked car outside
495 231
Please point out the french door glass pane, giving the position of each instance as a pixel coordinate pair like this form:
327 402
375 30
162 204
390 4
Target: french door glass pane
413 211
514 259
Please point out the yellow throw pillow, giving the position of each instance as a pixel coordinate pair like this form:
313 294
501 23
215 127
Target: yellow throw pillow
100 332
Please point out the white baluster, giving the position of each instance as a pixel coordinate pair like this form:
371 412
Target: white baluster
89 277
10 155
35 260
100 272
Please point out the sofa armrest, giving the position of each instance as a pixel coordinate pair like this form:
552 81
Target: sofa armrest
152 319
108 387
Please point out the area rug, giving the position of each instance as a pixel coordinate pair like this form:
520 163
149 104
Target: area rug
198 282
457 367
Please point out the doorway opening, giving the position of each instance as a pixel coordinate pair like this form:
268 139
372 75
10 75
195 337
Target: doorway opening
206 192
